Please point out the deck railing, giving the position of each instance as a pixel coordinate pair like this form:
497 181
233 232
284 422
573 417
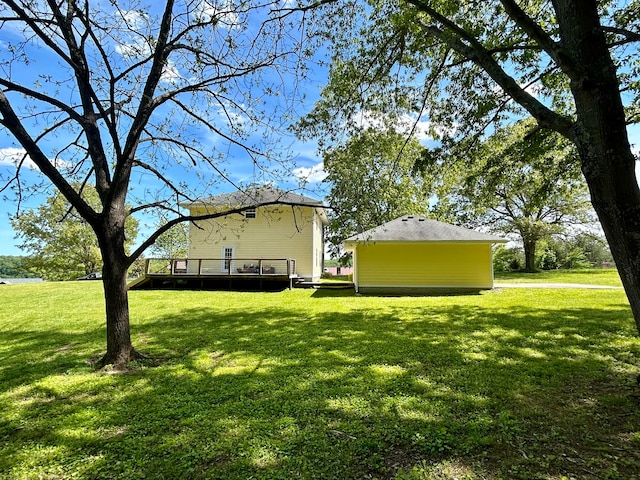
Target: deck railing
203 267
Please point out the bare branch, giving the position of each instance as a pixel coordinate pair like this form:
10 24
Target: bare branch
11 121
145 108
14 87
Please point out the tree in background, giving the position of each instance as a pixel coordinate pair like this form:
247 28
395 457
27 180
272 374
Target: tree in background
575 250
581 250
13 266
173 243
120 93
60 243
570 64
521 180
372 183
594 247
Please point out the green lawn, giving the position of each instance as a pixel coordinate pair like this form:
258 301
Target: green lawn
586 276
313 384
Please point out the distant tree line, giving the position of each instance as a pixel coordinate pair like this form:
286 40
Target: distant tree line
14 266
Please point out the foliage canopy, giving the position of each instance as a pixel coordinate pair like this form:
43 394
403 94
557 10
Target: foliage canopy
521 180
372 182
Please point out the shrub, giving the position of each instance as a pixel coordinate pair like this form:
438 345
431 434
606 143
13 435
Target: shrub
507 259
548 260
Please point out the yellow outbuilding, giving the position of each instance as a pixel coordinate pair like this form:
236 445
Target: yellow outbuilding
415 255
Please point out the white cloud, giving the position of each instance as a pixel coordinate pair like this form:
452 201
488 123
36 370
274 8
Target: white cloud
133 43
170 74
133 50
136 20
314 174
11 156
534 89
224 12
423 130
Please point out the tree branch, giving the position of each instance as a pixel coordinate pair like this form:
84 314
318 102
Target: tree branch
629 35
88 96
11 121
14 87
472 49
145 108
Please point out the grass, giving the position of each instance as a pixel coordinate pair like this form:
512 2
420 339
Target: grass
517 384
592 276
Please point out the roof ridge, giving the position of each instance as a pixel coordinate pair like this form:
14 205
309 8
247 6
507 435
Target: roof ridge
417 228
257 195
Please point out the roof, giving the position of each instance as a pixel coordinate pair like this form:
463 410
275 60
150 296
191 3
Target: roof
257 196
410 228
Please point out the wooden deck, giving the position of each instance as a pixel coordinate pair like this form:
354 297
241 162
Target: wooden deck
217 273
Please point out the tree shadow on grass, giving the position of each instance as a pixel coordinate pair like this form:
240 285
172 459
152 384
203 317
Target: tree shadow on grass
37 354
522 392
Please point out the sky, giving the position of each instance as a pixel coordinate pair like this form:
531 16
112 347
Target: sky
305 161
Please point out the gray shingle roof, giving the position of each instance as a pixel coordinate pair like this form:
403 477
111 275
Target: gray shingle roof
411 228
258 196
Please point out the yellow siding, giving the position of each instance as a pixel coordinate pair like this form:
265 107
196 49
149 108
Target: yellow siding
318 246
445 265
276 232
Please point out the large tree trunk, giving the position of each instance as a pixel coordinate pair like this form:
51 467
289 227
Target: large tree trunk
119 347
609 168
601 137
529 255
120 350
616 200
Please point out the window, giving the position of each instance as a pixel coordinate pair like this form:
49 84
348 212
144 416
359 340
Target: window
250 213
227 254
